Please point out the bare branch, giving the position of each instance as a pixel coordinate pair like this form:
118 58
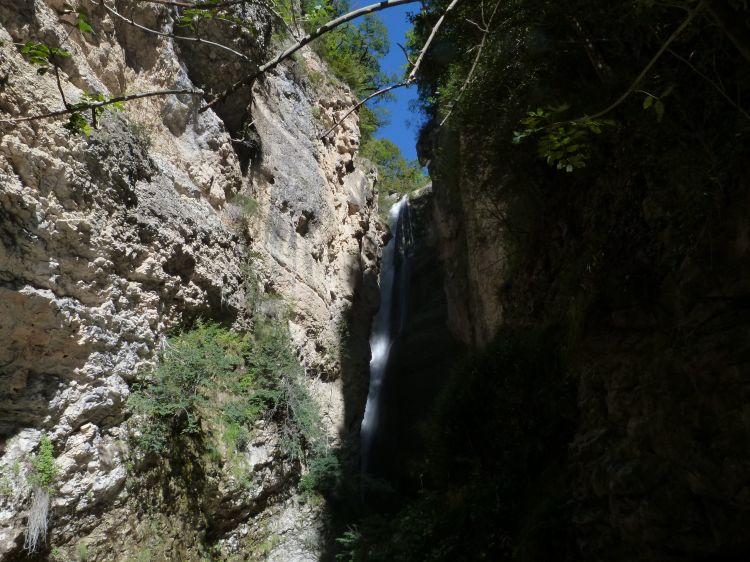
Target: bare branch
361 103
415 69
412 75
294 15
732 24
474 64
279 17
475 24
714 84
198 5
77 108
601 68
406 54
201 5
59 84
173 36
304 41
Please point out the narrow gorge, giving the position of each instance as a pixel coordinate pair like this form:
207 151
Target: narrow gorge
237 323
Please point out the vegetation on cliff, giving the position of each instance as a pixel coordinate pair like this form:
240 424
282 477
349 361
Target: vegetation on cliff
41 479
215 383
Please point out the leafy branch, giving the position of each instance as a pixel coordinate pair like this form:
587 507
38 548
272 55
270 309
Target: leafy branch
564 145
106 102
663 49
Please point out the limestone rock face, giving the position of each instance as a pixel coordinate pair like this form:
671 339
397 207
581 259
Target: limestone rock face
317 232
108 242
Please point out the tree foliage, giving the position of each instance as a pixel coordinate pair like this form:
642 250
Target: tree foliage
396 175
664 168
211 375
353 52
578 54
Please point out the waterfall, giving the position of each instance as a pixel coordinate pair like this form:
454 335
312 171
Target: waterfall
394 274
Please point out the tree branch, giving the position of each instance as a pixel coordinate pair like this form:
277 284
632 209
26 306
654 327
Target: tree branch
714 84
731 23
77 108
221 6
302 42
412 75
601 68
415 69
171 35
474 64
663 49
59 84
406 54
198 5
361 103
677 32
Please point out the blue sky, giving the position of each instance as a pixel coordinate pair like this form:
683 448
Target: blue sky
404 125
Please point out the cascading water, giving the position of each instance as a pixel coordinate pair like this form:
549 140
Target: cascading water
389 319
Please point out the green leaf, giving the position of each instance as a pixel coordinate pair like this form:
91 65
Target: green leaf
36 53
659 109
666 92
40 53
82 21
648 102
56 52
78 124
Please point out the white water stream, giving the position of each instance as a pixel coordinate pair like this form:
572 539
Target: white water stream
387 322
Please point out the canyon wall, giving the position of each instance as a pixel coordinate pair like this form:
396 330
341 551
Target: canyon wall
162 216
645 284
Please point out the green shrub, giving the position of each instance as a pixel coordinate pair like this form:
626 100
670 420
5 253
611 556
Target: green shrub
324 474
43 469
41 479
230 380
172 397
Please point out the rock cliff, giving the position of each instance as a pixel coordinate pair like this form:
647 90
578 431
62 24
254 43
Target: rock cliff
162 216
647 289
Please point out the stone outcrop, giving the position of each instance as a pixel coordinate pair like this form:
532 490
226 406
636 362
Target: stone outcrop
108 242
467 228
